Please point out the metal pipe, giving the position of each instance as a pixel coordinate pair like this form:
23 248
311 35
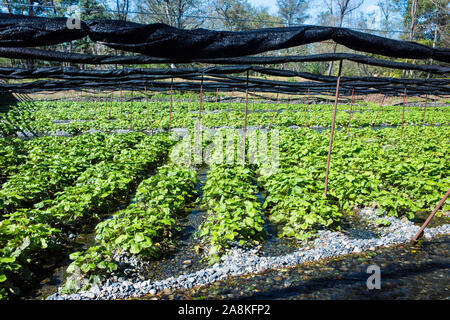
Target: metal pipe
403 113
245 122
307 109
171 103
110 106
332 129
120 103
199 113
350 113
148 117
131 114
425 109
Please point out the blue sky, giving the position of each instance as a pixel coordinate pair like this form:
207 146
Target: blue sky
316 7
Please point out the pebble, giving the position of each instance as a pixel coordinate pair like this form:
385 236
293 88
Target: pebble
241 260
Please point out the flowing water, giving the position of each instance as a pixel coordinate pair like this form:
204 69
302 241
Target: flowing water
407 272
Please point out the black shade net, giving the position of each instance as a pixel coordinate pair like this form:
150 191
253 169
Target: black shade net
226 84
32 53
217 71
160 44
160 40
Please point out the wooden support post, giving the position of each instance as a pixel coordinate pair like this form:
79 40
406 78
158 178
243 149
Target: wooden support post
197 141
245 122
171 104
435 110
425 109
403 113
351 111
332 129
106 105
110 106
217 100
98 101
120 103
274 111
307 109
379 111
131 114
148 116
189 105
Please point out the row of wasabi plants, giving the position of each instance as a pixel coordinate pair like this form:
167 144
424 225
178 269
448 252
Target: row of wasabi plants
48 117
32 235
369 168
145 228
51 164
73 184
233 210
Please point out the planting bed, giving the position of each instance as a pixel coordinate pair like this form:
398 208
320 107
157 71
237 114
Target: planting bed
111 215
71 118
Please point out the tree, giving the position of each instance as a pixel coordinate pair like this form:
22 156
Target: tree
236 14
344 7
122 8
293 11
90 10
177 13
387 8
263 19
425 21
28 7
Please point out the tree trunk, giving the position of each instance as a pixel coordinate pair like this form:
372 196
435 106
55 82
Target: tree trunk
436 28
413 25
30 62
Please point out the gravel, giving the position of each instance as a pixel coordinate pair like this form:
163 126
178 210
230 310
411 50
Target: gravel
239 260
